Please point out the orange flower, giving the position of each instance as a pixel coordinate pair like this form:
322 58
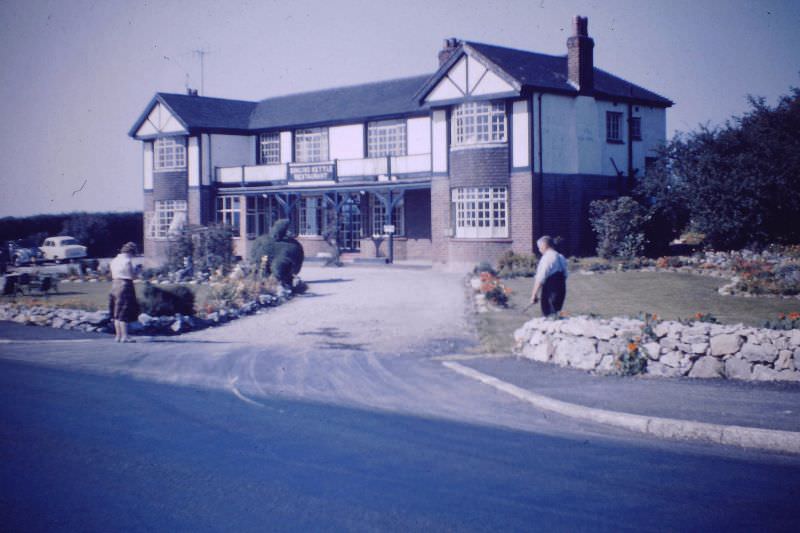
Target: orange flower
632 346
654 317
698 316
781 316
794 316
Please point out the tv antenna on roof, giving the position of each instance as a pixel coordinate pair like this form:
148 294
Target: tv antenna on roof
202 53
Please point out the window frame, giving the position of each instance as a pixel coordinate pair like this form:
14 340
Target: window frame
303 154
614 121
380 138
479 122
636 128
378 214
480 212
169 153
228 212
166 218
269 148
313 226
260 214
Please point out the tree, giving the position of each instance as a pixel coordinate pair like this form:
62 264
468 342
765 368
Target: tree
738 184
619 227
91 230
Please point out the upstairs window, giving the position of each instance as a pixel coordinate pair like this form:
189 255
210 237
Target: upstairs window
613 126
311 145
170 153
479 122
385 138
269 152
636 128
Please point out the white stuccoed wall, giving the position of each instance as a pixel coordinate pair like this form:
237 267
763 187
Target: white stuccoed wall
147 165
439 141
346 142
419 135
559 141
193 161
232 150
520 130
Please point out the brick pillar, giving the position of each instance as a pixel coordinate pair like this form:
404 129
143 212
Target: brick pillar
440 218
521 212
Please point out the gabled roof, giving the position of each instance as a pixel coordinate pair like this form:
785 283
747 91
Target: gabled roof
377 99
403 96
547 73
202 113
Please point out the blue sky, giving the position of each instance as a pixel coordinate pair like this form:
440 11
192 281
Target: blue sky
76 74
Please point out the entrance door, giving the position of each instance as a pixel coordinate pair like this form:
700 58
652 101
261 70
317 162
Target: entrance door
350 224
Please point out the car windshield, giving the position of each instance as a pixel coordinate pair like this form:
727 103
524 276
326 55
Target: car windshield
69 241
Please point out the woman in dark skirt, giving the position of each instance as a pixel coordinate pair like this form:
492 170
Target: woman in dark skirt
122 303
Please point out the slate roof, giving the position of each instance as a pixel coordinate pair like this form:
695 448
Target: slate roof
377 99
542 71
532 70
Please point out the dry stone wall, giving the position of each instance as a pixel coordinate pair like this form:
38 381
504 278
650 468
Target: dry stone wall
672 349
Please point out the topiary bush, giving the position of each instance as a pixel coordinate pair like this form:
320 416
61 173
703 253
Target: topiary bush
166 302
284 255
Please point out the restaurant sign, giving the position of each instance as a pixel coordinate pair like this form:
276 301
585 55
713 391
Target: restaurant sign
311 171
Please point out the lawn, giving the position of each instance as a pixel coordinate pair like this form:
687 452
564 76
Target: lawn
669 295
86 296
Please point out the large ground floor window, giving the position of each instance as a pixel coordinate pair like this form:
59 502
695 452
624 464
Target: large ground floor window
480 212
311 215
229 212
261 215
167 219
379 217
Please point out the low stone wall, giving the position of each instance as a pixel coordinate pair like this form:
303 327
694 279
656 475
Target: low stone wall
696 350
98 321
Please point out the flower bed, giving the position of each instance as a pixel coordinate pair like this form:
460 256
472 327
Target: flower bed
772 272
668 348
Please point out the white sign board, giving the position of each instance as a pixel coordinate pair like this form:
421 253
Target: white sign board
388 229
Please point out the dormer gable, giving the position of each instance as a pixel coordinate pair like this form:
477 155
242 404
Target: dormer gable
468 74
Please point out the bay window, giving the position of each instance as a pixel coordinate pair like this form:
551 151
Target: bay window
386 138
311 145
479 122
269 148
166 220
480 212
170 153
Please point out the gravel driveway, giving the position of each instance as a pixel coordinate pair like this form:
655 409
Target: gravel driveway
361 309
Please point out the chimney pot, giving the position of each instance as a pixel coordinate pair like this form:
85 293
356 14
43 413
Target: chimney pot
448 49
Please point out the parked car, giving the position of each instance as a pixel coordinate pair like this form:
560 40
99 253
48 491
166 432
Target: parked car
63 248
24 252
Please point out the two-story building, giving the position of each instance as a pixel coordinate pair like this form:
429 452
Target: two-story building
494 149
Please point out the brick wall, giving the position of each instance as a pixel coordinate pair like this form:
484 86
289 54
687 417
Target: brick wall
479 167
565 208
473 251
170 185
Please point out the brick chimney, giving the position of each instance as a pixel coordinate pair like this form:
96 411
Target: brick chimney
580 56
448 49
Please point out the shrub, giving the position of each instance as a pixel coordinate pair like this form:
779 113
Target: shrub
619 227
512 265
493 289
158 301
784 322
484 266
631 361
284 254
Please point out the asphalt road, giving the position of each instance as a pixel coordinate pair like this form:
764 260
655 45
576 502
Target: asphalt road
84 452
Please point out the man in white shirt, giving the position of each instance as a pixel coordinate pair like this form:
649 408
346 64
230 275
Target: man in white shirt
551 278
